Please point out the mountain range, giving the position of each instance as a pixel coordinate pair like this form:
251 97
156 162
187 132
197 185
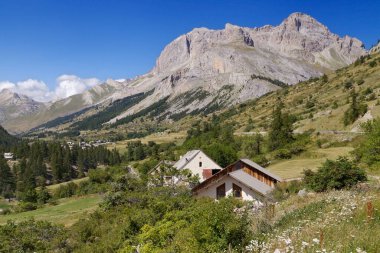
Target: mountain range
200 72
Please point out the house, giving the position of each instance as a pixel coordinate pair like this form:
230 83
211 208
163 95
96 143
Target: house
199 164
158 173
8 156
243 179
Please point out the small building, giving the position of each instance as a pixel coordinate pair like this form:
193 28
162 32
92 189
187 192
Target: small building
244 179
199 164
158 173
8 156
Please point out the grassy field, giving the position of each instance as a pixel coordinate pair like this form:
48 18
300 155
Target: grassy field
76 181
66 212
177 138
3 204
293 168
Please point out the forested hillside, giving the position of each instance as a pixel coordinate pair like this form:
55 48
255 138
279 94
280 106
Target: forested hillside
6 140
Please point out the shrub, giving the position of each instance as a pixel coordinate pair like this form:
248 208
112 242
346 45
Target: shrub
99 176
32 236
25 206
348 85
284 189
372 64
338 174
66 190
283 154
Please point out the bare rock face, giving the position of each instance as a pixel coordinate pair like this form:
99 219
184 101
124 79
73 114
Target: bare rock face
218 68
375 49
249 62
15 105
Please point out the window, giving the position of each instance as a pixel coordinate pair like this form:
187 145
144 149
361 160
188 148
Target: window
200 164
237 191
221 191
214 171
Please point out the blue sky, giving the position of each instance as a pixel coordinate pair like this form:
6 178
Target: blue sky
43 40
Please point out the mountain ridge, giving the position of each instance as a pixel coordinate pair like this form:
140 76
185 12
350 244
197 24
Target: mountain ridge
225 67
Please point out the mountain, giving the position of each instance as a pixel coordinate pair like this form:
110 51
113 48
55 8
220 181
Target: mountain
375 49
21 116
14 106
206 70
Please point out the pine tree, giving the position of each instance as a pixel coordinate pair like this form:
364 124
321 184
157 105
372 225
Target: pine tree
281 132
7 180
355 110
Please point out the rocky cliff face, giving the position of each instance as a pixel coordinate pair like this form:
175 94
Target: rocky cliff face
375 49
249 62
206 68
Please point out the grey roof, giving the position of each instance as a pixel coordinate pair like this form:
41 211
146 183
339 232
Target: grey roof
250 181
258 167
181 163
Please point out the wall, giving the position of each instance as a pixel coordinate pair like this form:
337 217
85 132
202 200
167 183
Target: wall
207 163
210 191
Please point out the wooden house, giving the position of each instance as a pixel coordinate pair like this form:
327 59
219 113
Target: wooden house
243 179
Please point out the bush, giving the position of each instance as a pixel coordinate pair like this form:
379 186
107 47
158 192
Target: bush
65 191
99 176
32 236
372 64
283 154
338 174
25 206
284 189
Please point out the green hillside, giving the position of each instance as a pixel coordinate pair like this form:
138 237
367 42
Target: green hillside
6 140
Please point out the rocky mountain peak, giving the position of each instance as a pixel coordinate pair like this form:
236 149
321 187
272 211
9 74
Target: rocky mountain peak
375 49
302 22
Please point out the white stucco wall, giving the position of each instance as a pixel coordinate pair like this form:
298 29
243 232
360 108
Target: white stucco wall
207 163
247 193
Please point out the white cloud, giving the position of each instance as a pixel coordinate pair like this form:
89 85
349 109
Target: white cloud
67 85
6 85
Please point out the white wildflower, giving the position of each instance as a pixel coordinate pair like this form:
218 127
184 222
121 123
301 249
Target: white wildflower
316 241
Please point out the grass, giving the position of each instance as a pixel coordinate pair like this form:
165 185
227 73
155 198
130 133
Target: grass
336 221
76 181
158 138
66 212
293 168
3 204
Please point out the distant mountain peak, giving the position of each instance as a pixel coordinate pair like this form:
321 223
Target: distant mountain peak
300 21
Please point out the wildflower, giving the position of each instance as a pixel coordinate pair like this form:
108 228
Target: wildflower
316 241
305 244
277 251
288 241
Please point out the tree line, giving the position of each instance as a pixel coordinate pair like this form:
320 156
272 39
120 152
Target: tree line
42 163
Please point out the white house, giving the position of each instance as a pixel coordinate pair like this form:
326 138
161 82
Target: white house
199 164
8 156
244 179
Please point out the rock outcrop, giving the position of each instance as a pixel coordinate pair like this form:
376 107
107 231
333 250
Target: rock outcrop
249 61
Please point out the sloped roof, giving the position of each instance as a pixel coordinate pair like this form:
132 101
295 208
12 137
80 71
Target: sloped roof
181 163
164 162
233 168
250 182
258 167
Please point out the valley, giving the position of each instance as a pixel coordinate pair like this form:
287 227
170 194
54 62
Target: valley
240 139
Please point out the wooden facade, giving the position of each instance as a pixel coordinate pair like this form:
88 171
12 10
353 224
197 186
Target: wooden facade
259 175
